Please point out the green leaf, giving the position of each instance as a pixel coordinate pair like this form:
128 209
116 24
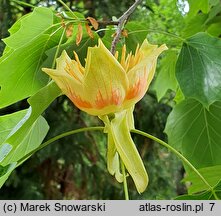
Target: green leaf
81 50
215 29
39 102
7 123
214 12
137 32
214 2
195 25
30 26
196 6
204 23
27 143
10 152
166 78
179 96
31 141
5 171
195 131
4 150
211 174
206 195
201 196
198 68
25 130
20 66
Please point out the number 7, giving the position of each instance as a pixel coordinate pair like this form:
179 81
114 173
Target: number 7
212 205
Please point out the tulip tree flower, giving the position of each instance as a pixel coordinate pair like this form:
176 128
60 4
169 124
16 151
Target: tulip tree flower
109 88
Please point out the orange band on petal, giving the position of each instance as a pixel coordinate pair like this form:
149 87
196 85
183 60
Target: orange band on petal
116 98
81 104
138 89
102 102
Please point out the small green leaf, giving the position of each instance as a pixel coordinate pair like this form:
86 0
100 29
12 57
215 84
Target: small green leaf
198 68
195 131
166 78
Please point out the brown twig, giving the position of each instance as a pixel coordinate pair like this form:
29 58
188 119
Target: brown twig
121 22
107 22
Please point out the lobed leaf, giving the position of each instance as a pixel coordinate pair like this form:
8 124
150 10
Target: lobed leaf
10 152
20 66
198 68
195 131
24 131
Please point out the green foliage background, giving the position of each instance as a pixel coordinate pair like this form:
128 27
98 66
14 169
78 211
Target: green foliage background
75 166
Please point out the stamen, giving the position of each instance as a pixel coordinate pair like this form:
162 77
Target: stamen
70 71
123 55
128 59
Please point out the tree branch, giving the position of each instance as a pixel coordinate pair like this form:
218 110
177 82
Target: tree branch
121 23
107 22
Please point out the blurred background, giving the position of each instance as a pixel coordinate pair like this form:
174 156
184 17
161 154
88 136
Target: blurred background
75 166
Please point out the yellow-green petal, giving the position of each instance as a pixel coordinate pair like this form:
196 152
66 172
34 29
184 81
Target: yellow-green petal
113 162
105 80
141 75
127 151
69 84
